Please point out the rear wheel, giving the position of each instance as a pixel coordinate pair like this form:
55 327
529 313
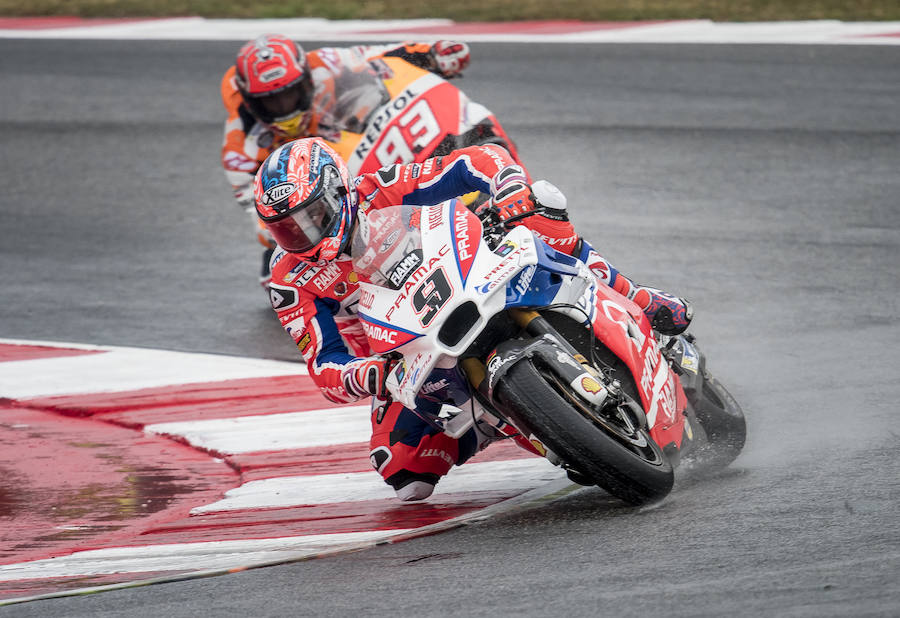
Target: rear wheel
609 445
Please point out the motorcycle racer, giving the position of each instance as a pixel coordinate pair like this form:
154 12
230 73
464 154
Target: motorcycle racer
276 92
308 201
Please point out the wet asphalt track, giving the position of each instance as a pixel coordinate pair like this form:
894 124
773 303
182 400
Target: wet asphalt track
763 182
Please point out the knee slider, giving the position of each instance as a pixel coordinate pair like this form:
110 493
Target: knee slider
411 486
417 490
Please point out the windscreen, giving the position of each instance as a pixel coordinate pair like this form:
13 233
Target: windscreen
387 245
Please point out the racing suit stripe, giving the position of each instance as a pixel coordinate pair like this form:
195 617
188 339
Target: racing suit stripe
435 180
460 178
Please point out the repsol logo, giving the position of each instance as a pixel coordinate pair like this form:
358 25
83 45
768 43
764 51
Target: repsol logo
384 117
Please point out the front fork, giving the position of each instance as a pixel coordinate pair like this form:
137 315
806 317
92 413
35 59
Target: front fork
536 326
592 386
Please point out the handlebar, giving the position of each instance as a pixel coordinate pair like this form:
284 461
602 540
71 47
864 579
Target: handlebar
493 224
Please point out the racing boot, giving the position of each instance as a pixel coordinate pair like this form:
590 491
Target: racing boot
668 315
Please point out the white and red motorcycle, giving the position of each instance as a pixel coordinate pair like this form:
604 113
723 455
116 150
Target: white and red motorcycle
530 340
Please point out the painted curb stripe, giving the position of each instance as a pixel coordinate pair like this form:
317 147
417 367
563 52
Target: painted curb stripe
534 497
286 478
31 352
126 369
295 430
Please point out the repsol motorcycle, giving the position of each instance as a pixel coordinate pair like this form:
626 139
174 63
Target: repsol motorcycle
524 337
390 111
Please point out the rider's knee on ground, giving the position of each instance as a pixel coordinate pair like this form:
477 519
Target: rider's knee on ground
417 490
411 486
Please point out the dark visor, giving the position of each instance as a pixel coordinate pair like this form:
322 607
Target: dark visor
288 101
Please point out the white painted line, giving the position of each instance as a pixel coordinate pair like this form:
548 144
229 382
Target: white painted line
199 558
791 32
125 369
122 369
198 28
273 432
829 32
510 475
185 556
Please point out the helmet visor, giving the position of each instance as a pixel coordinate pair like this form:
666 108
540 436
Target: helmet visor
283 103
306 226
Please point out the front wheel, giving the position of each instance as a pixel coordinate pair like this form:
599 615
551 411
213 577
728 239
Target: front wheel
722 419
611 447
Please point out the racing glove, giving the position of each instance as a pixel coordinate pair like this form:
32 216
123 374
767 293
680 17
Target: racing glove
367 376
450 57
510 192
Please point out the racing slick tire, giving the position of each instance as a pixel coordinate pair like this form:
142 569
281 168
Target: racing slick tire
625 462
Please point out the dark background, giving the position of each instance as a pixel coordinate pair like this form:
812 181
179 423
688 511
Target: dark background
759 181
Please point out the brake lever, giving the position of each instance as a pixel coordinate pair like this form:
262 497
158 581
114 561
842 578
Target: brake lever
538 209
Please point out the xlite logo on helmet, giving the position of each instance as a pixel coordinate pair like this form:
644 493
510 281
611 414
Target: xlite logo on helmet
278 193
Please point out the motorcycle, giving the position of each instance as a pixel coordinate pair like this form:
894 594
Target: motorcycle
489 325
390 111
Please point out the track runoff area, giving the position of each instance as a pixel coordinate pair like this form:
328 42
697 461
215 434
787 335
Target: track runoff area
125 467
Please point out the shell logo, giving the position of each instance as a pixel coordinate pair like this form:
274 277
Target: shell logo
538 446
353 277
591 385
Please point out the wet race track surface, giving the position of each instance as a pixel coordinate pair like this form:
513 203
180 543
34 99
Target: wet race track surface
759 181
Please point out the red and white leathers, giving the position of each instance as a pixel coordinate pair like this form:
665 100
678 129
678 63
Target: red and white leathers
317 306
247 141
668 314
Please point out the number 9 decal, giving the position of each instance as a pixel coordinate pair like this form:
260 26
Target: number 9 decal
431 296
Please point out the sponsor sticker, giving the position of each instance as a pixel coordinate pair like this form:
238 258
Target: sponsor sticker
278 193
304 342
590 385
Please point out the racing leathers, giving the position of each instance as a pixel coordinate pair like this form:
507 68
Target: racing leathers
317 306
247 141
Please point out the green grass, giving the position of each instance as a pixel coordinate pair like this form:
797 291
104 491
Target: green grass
470 10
